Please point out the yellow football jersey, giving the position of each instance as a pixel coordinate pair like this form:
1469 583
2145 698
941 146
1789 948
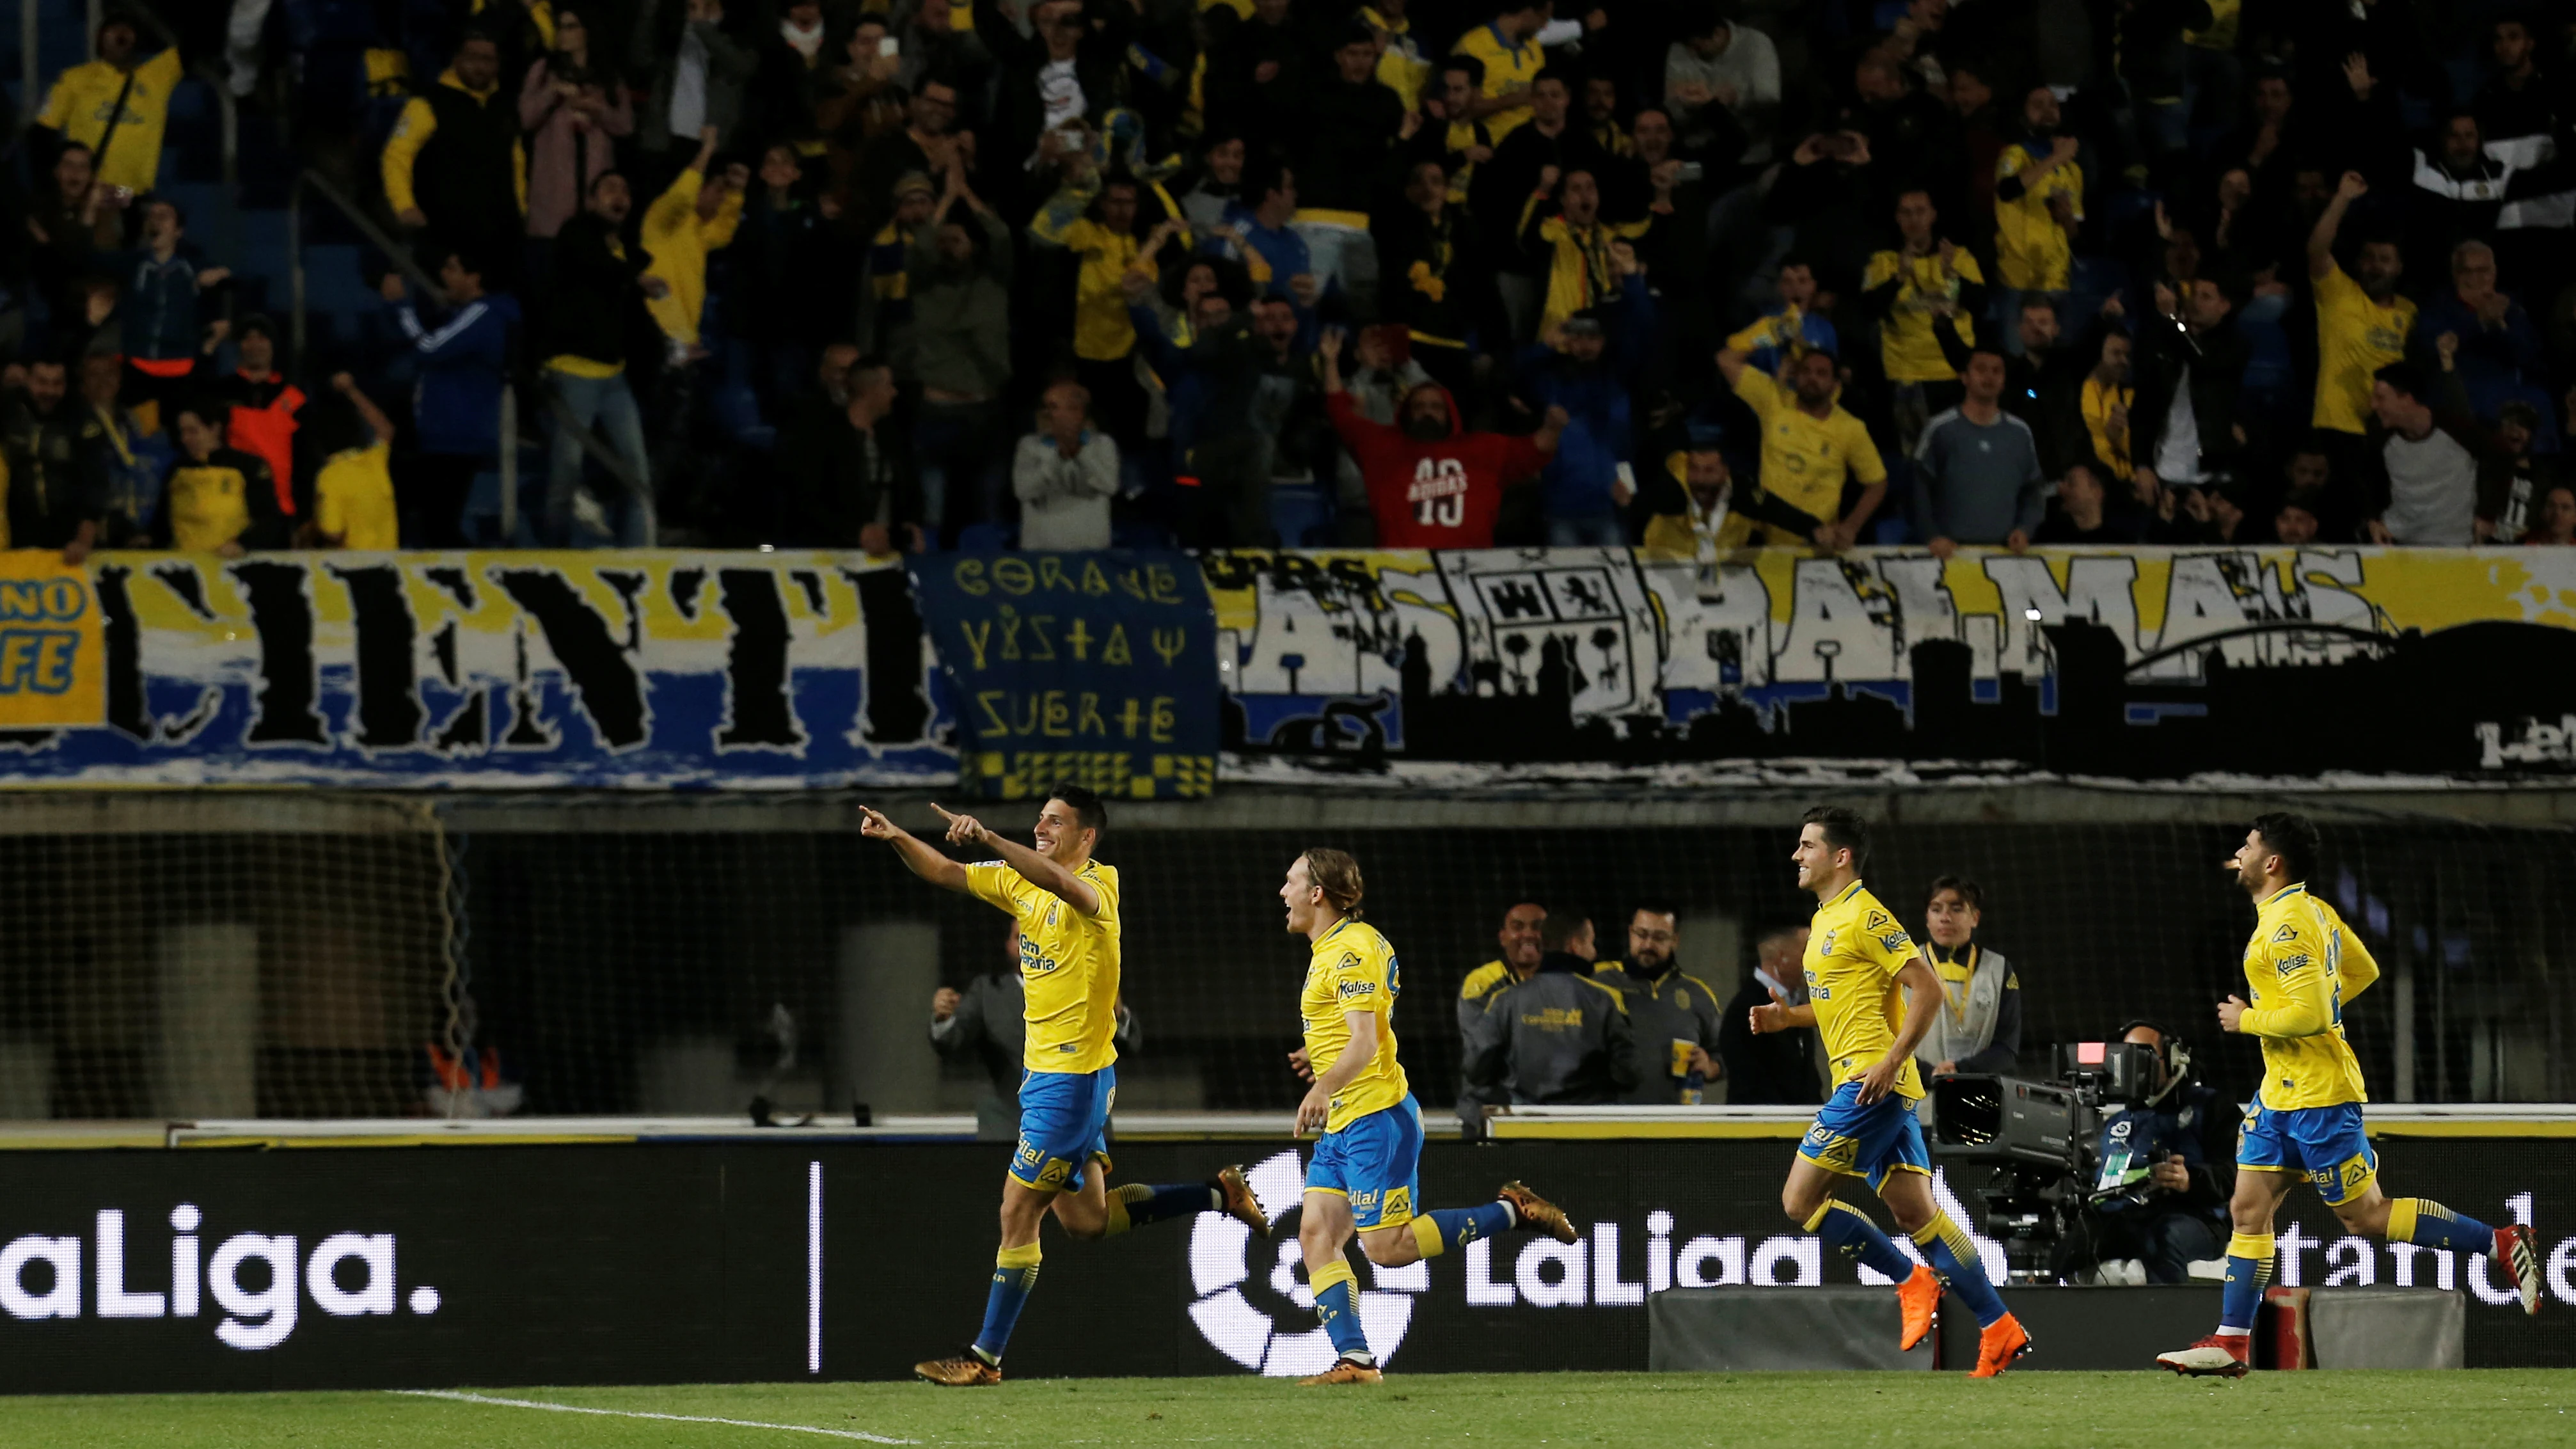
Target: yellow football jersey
2301 966
2355 338
1353 969
1805 458
2031 250
1855 947
1068 961
1906 345
353 498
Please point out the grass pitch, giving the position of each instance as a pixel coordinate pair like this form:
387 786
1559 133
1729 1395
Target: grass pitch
1667 1411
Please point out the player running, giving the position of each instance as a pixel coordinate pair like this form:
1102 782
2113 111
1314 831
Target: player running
1858 958
1363 1177
2301 965
1067 907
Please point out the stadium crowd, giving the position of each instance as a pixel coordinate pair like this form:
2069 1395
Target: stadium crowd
1691 274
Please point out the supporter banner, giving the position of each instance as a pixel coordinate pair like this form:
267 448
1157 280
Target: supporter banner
776 670
446 669
430 1267
1096 668
2146 662
52 669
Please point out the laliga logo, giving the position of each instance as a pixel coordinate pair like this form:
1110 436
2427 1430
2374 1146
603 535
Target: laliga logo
1233 1325
348 1275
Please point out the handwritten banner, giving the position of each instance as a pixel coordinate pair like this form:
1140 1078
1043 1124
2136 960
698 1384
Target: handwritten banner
53 668
1094 669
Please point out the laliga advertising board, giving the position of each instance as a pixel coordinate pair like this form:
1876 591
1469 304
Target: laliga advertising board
699 1260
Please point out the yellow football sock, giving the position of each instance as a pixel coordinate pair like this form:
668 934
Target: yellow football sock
2402 1213
1426 1238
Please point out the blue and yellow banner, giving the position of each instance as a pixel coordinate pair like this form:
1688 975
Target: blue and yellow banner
1096 669
1137 672
52 643
624 670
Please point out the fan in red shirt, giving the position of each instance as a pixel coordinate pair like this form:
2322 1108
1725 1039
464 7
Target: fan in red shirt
1431 483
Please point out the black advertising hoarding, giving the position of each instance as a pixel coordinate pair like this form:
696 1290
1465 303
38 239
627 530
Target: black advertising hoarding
436 1266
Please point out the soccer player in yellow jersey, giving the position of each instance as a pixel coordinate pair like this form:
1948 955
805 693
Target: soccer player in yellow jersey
1363 1177
2301 965
1858 960
1066 904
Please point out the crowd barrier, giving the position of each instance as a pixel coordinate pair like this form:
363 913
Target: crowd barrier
234 1256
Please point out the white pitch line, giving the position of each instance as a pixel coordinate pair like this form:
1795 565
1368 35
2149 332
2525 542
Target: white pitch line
465 1398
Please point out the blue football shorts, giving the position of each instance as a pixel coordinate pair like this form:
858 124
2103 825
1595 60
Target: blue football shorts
2325 1143
1375 1161
1871 1141
1064 1123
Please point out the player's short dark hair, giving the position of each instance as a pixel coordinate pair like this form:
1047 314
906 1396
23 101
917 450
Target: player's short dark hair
1466 65
2291 836
1844 830
1337 874
1564 75
1967 890
1560 928
1654 906
1089 811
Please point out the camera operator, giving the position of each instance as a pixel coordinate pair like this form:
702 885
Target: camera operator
2166 1168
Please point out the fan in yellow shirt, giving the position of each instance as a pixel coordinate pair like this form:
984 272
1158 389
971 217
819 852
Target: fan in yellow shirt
1103 235
1507 47
1924 281
697 215
353 495
1809 447
2039 201
2362 323
117 87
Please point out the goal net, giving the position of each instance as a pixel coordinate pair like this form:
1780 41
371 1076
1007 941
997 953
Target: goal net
237 955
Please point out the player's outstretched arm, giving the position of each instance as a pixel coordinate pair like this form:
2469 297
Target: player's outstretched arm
1034 868
919 856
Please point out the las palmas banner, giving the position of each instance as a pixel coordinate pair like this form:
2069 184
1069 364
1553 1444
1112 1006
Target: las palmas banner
2140 662
655 669
785 670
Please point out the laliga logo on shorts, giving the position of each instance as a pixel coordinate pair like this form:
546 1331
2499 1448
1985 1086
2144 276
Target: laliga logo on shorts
1220 1265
